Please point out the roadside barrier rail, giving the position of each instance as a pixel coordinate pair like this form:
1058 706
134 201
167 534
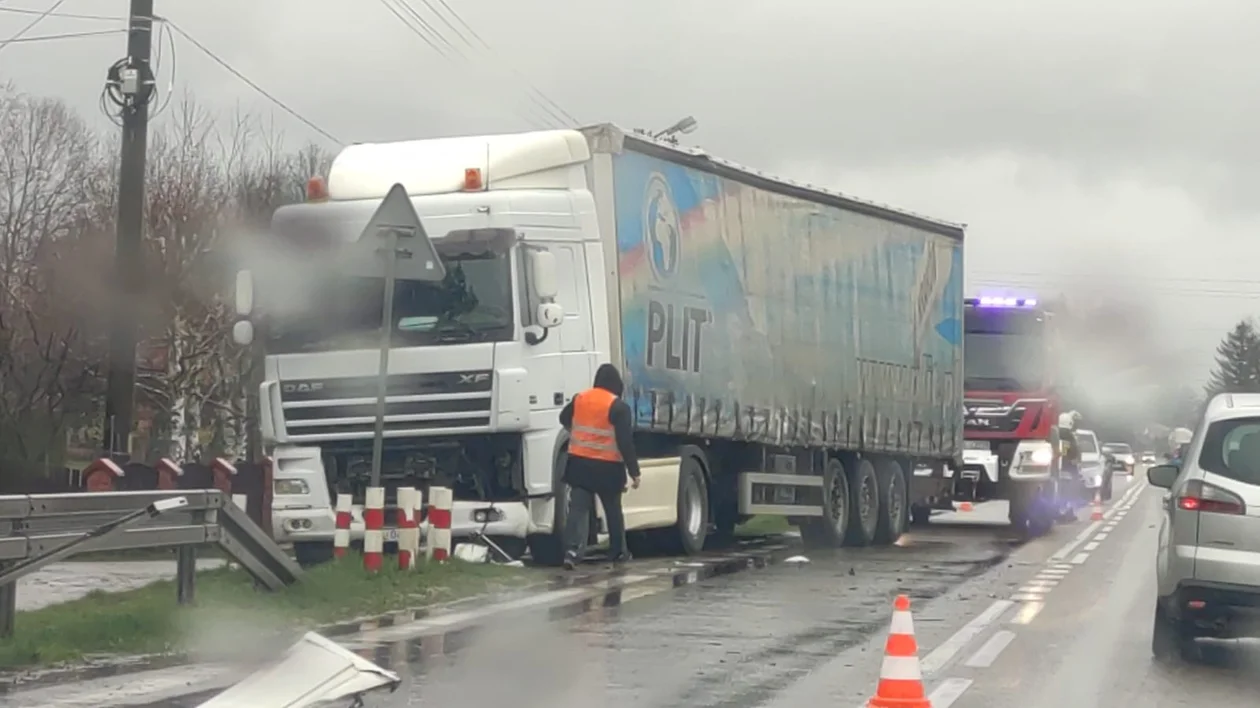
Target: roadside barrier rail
38 529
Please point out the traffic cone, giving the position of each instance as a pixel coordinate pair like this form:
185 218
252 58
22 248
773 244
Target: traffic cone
900 680
965 506
1097 514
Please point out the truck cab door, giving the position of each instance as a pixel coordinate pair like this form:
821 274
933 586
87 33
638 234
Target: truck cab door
576 345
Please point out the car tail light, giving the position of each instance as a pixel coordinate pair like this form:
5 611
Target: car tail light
1208 498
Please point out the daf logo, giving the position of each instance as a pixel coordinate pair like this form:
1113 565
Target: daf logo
471 379
304 387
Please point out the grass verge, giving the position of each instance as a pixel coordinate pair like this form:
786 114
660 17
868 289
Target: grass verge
229 613
763 526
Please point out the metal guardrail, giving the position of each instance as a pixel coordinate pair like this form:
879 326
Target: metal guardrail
37 529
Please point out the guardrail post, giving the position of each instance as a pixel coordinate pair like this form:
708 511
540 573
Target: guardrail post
440 501
373 532
408 529
169 473
102 475
185 574
8 608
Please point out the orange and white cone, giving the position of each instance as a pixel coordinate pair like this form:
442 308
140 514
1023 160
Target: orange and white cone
1097 514
900 679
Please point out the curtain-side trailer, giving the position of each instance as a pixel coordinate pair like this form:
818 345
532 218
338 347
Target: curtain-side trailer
787 350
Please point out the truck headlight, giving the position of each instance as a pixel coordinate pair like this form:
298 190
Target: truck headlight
291 487
1041 456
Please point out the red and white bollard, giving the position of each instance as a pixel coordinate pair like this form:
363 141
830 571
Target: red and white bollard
374 529
440 501
169 473
102 475
341 533
408 528
223 471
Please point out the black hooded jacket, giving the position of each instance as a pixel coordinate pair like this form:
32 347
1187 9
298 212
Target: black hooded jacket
601 475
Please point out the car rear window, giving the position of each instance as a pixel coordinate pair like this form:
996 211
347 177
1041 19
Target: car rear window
1120 448
1231 449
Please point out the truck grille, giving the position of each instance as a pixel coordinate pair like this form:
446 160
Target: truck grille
414 402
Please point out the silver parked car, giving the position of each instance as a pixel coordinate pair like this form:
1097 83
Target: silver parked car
1208 564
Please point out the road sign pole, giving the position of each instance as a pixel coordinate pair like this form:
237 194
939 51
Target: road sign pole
387 331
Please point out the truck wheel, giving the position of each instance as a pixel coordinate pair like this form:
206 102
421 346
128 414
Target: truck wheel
309 553
891 520
864 504
829 531
687 536
547 549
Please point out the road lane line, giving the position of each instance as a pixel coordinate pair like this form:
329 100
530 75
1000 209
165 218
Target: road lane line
948 692
1080 558
1102 536
1028 611
1071 545
1028 597
1091 546
941 655
989 653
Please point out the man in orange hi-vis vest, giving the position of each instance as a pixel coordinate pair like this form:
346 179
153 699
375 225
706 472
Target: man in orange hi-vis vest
601 454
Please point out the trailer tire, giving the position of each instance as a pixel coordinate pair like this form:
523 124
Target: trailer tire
893 493
830 530
864 504
547 549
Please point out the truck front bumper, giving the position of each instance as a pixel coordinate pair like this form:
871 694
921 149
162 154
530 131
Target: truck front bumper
310 524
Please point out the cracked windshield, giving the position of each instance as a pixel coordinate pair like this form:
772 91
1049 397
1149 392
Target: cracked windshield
632 354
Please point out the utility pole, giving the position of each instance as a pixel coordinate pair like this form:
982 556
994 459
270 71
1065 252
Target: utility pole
130 86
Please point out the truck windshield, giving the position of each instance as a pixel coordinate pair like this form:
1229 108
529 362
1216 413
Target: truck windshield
1004 350
473 304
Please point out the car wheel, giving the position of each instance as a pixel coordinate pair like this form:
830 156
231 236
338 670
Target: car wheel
1169 639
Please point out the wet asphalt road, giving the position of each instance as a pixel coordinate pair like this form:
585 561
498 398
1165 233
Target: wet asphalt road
780 636
1090 646
728 642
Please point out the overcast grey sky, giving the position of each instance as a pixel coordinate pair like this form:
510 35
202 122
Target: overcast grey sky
1106 145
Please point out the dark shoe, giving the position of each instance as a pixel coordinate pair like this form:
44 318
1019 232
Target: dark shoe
570 561
622 558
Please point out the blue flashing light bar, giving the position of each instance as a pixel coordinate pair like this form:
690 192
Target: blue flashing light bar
1000 301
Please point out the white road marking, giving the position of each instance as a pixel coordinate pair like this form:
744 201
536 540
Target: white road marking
989 653
1028 611
1056 571
1063 566
1071 545
1091 546
1080 558
1028 597
948 692
941 655
1102 536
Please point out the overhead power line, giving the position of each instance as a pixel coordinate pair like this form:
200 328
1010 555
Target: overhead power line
62 15
65 35
33 23
249 82
435 30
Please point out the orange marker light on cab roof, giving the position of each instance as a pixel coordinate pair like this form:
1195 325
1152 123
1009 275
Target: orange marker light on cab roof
472 180
316 189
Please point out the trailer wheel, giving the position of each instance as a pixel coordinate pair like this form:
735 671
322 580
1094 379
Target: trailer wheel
893 515
864 496
548 548
829 531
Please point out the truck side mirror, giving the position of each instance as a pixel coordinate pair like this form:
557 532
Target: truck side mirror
542 274
550 314
243 332
244 293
